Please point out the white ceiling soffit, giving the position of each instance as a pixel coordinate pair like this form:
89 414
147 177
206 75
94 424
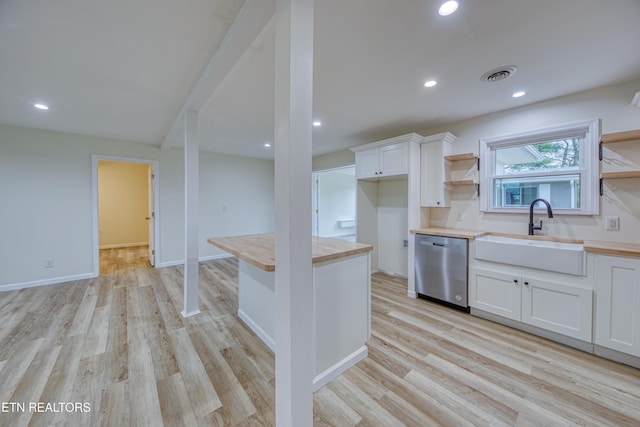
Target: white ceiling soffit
252 18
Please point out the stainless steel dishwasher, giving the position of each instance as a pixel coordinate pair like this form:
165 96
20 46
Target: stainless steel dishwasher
441 266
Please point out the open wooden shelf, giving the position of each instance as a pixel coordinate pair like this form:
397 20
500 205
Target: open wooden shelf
630 135
463 182
620 175
609 138
463 156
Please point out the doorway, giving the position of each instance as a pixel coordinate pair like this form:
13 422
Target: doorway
334 203
125 220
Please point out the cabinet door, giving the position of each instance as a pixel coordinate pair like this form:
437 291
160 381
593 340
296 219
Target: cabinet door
567 310
368 163
394 159
432 176
617 288
496 293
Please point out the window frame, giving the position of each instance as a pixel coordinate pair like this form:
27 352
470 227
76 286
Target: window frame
588 132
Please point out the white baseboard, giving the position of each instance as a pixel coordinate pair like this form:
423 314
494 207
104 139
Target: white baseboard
212 257
412 294
123 245
337 369
269 342
201 259
44 282
189 314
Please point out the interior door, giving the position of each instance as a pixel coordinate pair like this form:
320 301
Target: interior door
152 216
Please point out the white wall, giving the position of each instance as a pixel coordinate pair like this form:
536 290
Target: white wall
367 213
46 207
621 198
236 197
336 201
393 227
334 160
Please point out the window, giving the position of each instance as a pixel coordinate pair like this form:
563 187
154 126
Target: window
558 164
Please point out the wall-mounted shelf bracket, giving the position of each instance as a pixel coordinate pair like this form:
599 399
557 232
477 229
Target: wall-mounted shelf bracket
600 150
601 187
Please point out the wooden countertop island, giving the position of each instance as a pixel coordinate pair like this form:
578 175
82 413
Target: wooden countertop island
259 249
341 297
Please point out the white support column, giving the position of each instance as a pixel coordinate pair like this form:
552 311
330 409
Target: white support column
294 277
191 195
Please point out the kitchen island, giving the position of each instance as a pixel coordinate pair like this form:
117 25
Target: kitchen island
341 297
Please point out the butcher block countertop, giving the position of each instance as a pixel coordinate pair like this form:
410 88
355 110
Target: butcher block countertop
613 248
449 232
596 246
259 249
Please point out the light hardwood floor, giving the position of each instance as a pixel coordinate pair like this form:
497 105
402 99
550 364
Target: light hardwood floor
119 343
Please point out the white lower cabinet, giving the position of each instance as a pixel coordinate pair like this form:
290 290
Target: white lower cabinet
553 306
617 287
567 310
496 293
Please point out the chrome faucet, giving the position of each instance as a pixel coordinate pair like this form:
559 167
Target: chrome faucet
532 227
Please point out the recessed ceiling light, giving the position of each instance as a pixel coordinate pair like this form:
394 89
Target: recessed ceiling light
448 8
430 83
317 123
41 106
266 144
518 94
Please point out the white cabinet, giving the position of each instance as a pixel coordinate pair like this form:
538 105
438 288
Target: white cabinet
556 307
617 286
380 162
433 169
495 292
549 305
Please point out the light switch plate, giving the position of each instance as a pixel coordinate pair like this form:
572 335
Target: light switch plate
612 223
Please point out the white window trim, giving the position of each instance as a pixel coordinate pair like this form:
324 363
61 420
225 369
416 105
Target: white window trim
589 130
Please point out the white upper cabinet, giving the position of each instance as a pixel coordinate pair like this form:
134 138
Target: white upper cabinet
617 286
394 159
368 163
433 169
386 158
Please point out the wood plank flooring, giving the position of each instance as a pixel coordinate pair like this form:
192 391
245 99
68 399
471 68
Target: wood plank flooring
119 343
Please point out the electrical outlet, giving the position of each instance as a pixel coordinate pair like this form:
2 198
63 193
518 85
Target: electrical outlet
458 216
612 223
48 263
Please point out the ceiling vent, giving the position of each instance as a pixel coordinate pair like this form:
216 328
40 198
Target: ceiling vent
499 73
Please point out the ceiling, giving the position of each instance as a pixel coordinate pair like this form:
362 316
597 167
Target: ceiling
128 70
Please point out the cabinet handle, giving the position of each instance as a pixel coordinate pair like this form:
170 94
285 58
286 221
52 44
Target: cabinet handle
515 280
376 173
526 283
380 172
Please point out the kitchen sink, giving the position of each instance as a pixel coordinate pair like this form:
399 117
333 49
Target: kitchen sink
561 257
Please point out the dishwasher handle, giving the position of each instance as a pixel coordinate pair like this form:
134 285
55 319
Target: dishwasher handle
424 242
